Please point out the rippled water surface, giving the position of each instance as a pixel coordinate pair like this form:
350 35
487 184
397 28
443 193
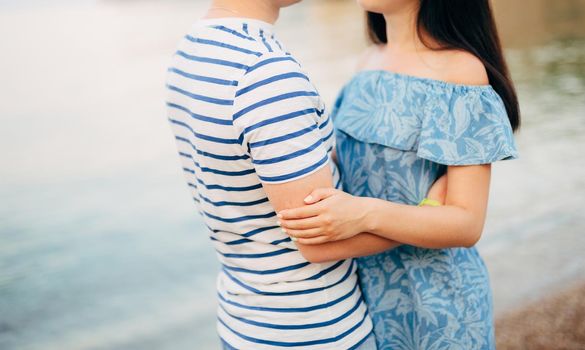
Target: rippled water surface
100 245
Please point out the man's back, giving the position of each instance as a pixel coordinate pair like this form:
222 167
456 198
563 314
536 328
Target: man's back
243 113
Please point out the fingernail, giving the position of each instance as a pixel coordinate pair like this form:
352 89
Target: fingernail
294 239
278 222
309 198
283 230
279 215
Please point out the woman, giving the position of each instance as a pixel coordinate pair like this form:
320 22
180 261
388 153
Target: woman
433 97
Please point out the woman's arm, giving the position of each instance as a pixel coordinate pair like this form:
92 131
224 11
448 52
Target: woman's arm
291 194
339 216
362 244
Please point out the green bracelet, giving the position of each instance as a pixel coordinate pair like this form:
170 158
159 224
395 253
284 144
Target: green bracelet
429 202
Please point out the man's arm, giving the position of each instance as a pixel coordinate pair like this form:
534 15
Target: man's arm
276 117
291 194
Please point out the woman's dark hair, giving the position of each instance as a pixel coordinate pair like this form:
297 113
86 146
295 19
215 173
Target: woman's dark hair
466 25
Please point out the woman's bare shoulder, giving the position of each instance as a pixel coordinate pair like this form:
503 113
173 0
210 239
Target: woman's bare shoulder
465 68
367 55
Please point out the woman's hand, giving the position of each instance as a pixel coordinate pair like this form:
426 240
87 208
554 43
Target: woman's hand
333 215
330 215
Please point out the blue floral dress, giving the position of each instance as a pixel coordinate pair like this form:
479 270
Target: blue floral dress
396 134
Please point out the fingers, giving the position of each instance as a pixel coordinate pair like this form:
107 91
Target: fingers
312 208
299 213
300 234
319 194
302 224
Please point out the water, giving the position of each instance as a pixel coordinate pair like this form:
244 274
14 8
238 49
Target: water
100 245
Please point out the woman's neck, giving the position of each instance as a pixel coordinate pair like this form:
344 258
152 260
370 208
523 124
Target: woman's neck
401 29
263 10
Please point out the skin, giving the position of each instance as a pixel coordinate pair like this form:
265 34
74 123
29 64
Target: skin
331 215
363 243
264 10
291 194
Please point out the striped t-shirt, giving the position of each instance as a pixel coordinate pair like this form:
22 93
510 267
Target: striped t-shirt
243 112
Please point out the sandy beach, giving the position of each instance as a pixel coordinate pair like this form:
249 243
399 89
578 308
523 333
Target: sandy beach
555 322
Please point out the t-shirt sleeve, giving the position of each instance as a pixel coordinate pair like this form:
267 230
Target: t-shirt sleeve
277 116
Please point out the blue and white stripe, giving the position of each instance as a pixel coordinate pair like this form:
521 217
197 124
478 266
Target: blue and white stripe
243 112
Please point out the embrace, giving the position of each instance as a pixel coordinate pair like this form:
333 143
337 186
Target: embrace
354 228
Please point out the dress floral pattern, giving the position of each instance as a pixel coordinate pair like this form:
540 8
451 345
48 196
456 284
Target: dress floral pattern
396 134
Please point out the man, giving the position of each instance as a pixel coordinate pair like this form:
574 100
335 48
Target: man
254 139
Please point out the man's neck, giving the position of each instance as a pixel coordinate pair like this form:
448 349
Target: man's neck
263 10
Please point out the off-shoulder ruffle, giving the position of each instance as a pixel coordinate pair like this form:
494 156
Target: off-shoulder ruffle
446 123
